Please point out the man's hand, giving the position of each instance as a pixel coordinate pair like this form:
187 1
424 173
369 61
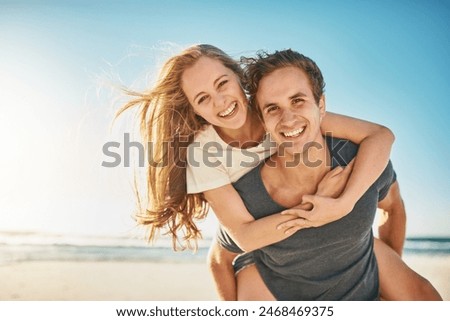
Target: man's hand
324 207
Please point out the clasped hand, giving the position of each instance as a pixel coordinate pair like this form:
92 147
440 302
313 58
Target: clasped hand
325 206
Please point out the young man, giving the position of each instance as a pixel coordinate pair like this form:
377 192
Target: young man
332 262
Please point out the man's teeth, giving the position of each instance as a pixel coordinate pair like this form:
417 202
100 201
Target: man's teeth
228 111
294 133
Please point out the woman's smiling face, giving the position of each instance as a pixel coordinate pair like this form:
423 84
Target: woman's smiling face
215 93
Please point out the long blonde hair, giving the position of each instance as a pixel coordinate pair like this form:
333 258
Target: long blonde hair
168 124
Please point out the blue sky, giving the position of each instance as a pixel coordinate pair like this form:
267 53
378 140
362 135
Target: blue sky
384 61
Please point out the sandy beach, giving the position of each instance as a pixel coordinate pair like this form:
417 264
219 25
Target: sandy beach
106 281
124 281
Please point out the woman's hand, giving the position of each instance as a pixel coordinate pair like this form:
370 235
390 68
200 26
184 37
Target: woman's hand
334 182
324 207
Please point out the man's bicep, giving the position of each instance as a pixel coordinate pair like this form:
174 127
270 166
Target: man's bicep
392 198
392 226
385 181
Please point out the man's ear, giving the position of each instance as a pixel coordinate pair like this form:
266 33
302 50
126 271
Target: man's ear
322 106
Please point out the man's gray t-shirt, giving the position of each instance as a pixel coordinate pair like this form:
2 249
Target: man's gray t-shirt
332 262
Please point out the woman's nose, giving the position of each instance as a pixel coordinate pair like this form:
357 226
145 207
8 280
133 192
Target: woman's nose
219 101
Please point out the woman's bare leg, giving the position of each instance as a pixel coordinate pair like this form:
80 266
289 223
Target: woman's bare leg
251 287
398 281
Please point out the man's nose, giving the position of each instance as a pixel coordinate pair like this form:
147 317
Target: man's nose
287 117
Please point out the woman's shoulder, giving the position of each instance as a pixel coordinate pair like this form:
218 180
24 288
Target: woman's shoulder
206 132
205 135
208 139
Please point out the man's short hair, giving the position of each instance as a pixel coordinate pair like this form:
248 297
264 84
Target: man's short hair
265 63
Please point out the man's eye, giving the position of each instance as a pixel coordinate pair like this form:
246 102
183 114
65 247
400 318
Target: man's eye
297 101
272 109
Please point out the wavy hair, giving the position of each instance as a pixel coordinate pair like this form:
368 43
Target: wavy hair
265 63
168 125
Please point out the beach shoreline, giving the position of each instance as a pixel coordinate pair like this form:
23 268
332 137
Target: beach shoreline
149 281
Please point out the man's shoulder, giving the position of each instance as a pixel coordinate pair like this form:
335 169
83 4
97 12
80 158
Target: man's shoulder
251 176
342 151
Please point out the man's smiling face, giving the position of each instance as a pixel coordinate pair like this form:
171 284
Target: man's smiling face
290 112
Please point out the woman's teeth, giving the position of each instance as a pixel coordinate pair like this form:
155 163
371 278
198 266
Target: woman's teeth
228 111
294 133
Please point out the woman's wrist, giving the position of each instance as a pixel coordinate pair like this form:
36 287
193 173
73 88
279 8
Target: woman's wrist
346 202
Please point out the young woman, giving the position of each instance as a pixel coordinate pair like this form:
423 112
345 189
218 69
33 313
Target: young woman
199 97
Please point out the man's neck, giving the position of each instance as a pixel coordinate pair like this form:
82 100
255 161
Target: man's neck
287 178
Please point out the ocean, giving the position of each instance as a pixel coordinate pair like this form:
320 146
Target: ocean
21 247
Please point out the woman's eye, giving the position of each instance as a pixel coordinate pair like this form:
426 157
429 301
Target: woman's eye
223 82
202 99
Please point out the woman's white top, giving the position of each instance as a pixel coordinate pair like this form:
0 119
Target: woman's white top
212 163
